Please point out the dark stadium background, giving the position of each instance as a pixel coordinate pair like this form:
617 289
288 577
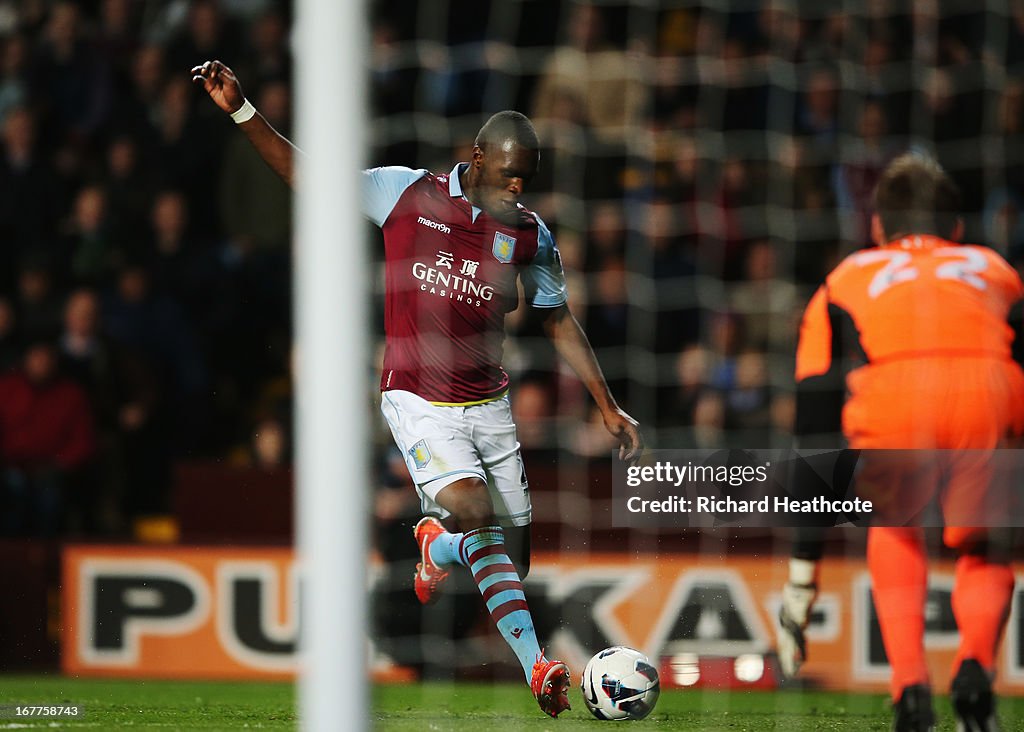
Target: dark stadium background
704 166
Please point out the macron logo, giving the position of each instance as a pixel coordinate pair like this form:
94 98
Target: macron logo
434 225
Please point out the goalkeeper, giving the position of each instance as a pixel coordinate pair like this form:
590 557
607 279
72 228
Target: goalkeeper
906 347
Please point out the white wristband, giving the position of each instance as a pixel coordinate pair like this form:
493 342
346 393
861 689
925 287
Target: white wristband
244 113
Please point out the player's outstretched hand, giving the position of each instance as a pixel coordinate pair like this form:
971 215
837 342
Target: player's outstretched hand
627 431
221 84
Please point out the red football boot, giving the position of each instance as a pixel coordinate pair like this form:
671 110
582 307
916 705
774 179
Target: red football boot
429 576
550 684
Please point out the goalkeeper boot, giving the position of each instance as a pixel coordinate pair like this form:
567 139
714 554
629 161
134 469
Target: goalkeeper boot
973 701
550 684
794 615
429 576
913 712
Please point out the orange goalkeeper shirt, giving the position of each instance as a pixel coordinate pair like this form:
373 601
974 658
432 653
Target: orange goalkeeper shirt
910 343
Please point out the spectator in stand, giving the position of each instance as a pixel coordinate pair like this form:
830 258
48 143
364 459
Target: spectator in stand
137 110
685 172
1010 120
608 318
532 412
748 403
181 269
818 113
67 74
720 250
14 84
967 116
10 342
82 359
675 318
39 303
80 346
779 32
267 447
1014 46
221 307
837 36
805 188
1003 219
458 77
672 99
126 399
766 301
117 36
743 88
270 444
207 34
607 80
153 407
392 84
709 415
590 439
783 417
937 104
31 197
97 364
726 336
569 171
606 237
153 325
679 401
94 256
269 57
46 444
885 80
184 160
860 166
129 191
255 204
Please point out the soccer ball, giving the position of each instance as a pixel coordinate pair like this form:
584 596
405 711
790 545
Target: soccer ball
620 683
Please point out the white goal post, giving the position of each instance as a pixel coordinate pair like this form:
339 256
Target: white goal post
331 306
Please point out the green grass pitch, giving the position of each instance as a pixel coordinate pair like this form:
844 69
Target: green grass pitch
169 705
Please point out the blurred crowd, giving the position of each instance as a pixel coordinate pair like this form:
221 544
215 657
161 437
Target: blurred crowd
144 256
704 166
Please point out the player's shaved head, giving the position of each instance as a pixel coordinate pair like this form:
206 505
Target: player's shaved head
505 127
916 196
506 155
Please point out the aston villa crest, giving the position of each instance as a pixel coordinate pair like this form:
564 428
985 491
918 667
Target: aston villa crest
504 247
420 454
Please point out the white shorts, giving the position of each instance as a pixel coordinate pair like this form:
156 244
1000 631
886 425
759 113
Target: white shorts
444 444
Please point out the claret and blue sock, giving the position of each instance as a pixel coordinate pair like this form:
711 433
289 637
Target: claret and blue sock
483 552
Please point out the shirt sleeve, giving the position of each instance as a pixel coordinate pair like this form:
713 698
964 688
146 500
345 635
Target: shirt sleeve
543 279
382 187
828 347
814 348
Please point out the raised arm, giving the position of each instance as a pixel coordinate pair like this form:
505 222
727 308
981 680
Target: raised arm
571 343
222 85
